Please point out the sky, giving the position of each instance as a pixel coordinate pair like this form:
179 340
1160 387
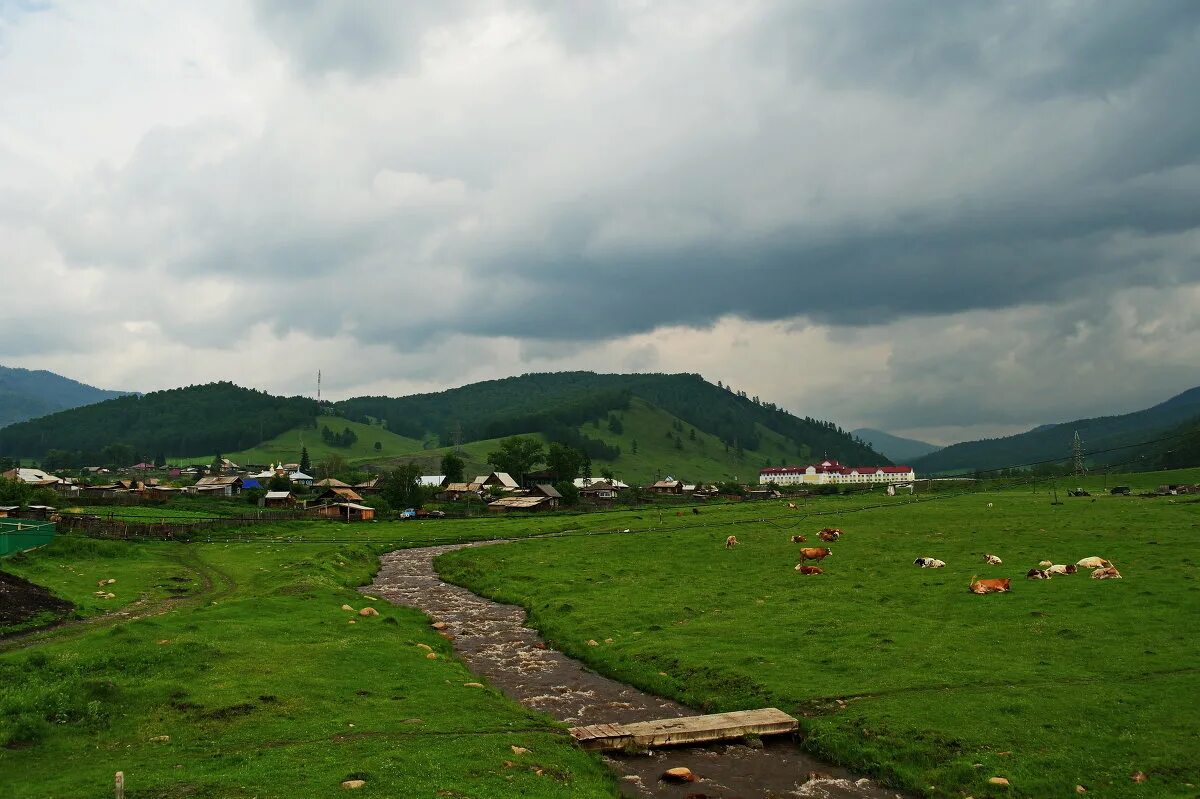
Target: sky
942 220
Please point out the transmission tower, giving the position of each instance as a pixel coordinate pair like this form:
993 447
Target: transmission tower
1077 454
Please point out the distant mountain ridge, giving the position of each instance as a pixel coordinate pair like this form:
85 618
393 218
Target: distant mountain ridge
28 394
679 422
896 448
1053 442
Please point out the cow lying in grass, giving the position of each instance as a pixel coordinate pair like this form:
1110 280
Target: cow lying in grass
998 586
1060 568
810 569
1106 573
731 542
798 539
1093 562
1038 574
992 560
830 534
929 563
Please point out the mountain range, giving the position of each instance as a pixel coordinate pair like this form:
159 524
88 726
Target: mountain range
27 394
895 448
1054 442
639 425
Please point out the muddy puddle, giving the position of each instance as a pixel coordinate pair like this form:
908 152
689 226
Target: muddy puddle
495 643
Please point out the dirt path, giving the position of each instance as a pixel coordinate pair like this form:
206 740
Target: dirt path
494 641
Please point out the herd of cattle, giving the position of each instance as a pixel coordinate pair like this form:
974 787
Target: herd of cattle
1101 568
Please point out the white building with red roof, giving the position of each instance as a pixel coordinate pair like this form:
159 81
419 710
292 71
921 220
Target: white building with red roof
829 472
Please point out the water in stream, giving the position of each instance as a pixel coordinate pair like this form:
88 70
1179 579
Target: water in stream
495 643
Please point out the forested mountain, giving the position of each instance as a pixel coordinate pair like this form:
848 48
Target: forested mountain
218 417
27 394
897 448
554 403
1053 442
676 422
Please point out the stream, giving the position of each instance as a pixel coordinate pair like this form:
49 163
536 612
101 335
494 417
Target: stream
495 643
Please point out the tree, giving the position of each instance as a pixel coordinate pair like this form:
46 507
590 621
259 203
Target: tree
305 461
585 469
634 447
402 487
160 459
570 494
563 463
608 474
452 467
215 468
678 442
692 434
378 446
517 456
615 425
332 466
279 483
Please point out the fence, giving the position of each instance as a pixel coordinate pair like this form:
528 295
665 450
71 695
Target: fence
114 526
18 535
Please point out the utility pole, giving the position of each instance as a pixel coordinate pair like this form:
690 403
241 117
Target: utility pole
1077 454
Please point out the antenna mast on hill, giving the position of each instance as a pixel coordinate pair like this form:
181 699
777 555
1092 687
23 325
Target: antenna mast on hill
318 386
1077 454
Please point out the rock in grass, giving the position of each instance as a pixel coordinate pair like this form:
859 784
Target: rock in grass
472 685
347 607
592 642
518 750
679 774
351 785
368 612
998 781
350 622
439 625
431 656
1080 789
161 738
426 647
1139 776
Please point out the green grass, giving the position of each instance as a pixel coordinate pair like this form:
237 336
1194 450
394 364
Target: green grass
264 690
286 446
1062 682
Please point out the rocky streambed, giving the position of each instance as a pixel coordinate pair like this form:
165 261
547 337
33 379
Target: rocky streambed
495 643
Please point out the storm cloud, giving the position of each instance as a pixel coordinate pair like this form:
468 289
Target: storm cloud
474 188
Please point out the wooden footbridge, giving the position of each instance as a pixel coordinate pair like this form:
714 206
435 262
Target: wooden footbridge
686 730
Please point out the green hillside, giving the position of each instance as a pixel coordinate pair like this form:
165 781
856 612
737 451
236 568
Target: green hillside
1053 442
286 446
28 394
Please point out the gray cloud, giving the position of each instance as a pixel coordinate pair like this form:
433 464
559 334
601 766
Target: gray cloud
558 179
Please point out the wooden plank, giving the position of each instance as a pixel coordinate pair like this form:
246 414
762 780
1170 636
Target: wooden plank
686 730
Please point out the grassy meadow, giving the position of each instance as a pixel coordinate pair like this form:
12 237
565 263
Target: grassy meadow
900 671
261 686
237 650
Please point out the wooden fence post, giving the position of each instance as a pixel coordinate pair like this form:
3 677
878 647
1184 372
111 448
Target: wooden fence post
119 785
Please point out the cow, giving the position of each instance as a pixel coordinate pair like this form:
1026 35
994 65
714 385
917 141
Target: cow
929 563
731 542
695 511
829 534
990 586
1045 564
810 569
1093 562
1107 573
798 539
1060 568
791 506
1038 574
992 560
814 553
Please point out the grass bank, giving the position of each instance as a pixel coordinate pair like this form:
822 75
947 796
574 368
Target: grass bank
896 670
255 684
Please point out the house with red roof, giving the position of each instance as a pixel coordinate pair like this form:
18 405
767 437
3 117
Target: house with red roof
830 472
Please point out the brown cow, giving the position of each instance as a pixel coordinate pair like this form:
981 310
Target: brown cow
830 534
731 542
814 553
998 586
798 539
1107 573
810 570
